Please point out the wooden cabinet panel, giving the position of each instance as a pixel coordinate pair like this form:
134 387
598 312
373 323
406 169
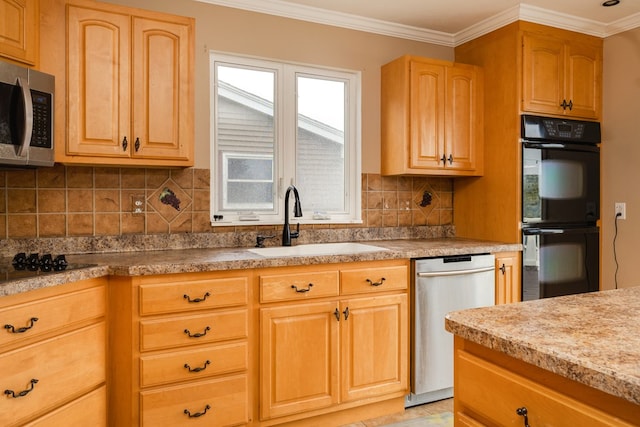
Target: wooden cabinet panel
431 118
51 372
299 285
492 394
189 330
191 295
374 341
19 30
212 403
88 410
298 358
508 287
193 364
54 313
378 279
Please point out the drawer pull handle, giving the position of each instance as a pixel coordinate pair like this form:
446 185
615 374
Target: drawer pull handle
197 334
13 330
196 300
198 369
523 413
303 290
376 283
23 393
197 414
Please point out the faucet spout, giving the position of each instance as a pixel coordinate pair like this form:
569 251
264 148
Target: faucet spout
287 235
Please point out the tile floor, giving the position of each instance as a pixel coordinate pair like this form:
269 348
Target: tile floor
414 412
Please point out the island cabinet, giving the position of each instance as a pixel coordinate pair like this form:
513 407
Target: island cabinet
508 277
53 356
493 389
180 349
333 342
432 117
128 81
562 75
19 31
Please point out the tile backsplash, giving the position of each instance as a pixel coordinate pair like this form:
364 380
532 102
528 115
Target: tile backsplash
74 201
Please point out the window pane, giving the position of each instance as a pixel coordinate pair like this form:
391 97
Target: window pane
245 137
320 153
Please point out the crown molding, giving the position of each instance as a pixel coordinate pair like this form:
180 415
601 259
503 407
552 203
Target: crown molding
522 11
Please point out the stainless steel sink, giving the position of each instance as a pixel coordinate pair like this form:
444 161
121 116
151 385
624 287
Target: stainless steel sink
344 248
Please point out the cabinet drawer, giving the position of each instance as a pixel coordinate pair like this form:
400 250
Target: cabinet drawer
51 314
375 279
53 370
195 329
544 406
88 410
193 364
219 402
300 285
192 295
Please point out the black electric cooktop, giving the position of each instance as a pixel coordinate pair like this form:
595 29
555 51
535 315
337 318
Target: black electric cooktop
23 266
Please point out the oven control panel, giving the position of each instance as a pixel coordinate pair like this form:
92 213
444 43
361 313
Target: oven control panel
538 128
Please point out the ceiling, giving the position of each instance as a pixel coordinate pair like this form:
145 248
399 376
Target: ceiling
450 22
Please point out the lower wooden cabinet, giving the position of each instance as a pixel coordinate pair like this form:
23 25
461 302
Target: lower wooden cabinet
181 351
493 389
508 287
53 356
324 351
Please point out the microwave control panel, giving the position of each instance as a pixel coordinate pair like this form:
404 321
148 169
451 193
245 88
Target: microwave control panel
42 118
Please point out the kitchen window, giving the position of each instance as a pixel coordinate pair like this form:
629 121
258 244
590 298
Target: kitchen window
275 124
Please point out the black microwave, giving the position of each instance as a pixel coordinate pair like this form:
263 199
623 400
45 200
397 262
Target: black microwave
26 116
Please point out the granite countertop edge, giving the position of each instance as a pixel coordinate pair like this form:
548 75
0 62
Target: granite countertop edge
175 261
603 355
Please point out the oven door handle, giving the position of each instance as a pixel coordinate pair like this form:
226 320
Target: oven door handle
28 117
536 231
456 272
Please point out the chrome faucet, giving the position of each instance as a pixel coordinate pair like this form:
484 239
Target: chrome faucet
287 235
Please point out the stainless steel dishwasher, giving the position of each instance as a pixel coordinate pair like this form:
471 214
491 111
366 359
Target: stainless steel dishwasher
441 285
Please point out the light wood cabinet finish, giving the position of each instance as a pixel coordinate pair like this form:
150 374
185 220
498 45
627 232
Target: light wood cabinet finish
19 30
174 354
129 85
334 352
508 278
54 367
490 208
491 387
562 76
296 286
432 117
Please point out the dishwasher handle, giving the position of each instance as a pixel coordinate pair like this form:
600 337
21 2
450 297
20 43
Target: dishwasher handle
455 272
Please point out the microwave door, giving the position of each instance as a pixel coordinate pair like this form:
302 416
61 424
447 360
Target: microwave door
13 126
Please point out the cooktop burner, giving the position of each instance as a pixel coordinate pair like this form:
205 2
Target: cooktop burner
25 266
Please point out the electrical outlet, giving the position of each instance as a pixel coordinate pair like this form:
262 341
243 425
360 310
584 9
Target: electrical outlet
621 209
137 204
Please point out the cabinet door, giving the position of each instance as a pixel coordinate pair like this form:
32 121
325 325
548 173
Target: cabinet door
461 118
19 30
98 88
162 97
584 77
374 346
543 74
427 122
298 358
507 278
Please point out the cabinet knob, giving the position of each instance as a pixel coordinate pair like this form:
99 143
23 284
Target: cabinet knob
523 413
566 104
125 144
443 159
503 268
450 159
137 144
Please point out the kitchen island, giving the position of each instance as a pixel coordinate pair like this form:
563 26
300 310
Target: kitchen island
571 360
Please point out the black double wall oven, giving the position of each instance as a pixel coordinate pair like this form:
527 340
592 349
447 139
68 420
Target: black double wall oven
560 206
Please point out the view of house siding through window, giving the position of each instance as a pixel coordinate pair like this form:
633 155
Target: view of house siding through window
280 124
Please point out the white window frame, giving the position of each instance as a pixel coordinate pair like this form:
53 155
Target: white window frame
285 139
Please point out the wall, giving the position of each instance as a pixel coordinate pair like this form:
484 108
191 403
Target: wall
621 158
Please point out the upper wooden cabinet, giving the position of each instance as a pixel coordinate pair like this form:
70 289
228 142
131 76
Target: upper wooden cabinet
431 118
19 30
129 87
562 76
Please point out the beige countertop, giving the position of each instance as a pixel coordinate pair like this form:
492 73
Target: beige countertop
200 260
590 338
